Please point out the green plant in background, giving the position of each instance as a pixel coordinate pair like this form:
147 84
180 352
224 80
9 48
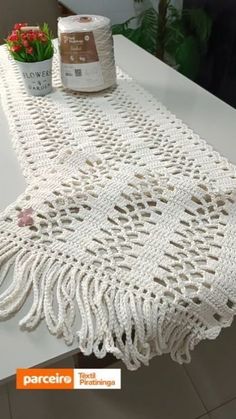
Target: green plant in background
178 38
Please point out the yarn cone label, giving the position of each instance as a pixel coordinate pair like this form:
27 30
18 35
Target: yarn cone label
79 60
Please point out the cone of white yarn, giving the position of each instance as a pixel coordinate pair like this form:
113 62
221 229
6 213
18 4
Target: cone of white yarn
86 53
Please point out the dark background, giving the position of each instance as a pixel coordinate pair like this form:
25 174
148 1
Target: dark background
218 68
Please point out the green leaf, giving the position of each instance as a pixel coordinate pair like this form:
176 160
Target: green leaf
173 13
145 35
188 57
134 35
199 22
148 39
175 35
184 36
119 29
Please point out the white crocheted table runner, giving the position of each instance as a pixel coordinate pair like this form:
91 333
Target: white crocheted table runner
125 238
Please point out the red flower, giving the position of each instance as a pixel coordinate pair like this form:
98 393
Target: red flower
25 43
30 41
13 37
15 48
31 35
18 26
29 50
42 36
24 36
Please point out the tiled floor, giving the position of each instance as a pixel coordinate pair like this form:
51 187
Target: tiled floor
4 404
204 389
213 370
164 387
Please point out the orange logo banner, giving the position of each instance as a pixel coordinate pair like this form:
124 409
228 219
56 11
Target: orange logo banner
45 379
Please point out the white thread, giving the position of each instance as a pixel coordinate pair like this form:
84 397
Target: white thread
87 56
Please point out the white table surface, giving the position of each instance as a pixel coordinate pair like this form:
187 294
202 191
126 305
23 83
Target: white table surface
208 116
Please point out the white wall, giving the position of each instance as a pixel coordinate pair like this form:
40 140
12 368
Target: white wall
116 10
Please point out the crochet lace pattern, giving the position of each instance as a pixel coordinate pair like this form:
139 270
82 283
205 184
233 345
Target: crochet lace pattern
125 237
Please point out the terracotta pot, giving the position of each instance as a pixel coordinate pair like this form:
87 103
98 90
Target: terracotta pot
37 77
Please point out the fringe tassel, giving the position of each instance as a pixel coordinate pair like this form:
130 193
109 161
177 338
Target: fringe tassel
114 320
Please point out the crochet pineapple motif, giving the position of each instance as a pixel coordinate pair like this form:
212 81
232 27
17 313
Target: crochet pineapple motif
125 235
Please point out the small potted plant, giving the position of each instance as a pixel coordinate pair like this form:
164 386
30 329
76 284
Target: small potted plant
32 48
